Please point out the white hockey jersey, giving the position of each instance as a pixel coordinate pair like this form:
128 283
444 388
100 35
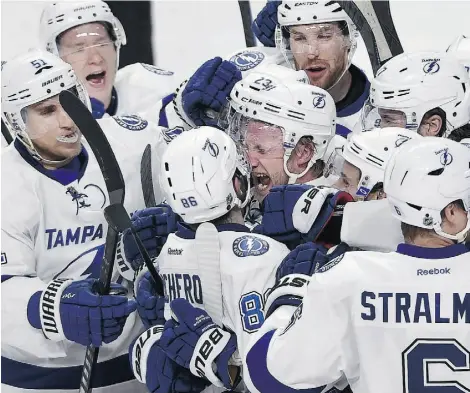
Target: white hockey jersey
248 265
388 322
53 226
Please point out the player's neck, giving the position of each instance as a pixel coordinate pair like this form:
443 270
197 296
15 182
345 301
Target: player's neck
340 90
432 241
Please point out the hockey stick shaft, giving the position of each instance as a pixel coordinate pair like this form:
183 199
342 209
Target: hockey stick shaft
245 11
146 177
6 133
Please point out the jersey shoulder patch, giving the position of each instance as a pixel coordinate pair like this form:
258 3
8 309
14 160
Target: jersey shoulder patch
172 133
249 245
156 70
131 122
247 59
329 265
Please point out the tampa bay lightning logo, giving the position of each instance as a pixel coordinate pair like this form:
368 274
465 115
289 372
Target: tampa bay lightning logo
446 158
156 70
401 140
171 134
211 147
327 266
131 122
319 102
431 67
247 60
249 246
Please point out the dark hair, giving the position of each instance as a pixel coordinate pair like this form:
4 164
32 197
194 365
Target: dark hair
460 133
411 232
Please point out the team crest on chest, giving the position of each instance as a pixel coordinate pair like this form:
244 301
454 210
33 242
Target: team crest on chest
131 122
249 246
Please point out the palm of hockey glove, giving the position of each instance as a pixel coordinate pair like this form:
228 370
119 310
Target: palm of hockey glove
208 89
305 260
277 210
97 108
194 341
73 310
154 368
150 306
153 225
264 25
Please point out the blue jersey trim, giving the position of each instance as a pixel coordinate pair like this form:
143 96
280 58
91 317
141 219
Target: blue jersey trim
432 253
162 119
113 104
263 380
28 376
357 105
184 232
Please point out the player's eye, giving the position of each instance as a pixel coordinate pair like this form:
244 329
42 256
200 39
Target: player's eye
298 37
47 110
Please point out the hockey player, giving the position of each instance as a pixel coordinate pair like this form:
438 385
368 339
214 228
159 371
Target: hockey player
206 179
53 233
88 36
393 321
427 92
323 49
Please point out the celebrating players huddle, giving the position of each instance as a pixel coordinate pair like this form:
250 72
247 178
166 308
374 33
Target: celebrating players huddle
311 227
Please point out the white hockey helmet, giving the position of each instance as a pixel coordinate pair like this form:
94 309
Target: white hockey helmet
56 18
290 13
410 85
298 109
28 79
425 176
370 153
197 175
460 48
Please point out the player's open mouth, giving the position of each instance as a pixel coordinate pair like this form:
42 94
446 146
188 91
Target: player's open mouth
316 72
96 79
71 137
261 182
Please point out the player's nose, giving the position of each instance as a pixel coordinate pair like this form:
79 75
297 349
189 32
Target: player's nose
253 158
64 119
94 55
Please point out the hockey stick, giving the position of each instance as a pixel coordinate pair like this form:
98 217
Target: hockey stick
6 133
146 177
247 20
208 258
374 21
113 213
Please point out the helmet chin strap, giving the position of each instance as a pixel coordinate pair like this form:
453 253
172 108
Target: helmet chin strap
458 237
28 143
294 176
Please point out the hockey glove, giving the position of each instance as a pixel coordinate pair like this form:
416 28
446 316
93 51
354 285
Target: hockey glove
156 370
73 310
97 108
150 306
153 225
195 342
264 26
208 89
293 272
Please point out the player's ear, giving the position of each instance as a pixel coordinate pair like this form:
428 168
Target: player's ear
431 126
240 185
304 151
454 217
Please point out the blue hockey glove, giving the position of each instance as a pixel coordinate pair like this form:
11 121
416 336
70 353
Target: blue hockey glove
97 108
150 306
208 89
265 23
73 310
156 370
153 225
293 273
194 341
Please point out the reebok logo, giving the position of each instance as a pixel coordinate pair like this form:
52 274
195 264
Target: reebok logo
175 251
435 271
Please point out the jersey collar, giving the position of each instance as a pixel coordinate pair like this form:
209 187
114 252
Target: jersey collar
185 232
65 175
360 80
432 253
112 108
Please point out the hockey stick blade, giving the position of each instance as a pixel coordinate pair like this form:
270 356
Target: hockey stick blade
146 177
117 217
95 137
115 186
208 258
374 21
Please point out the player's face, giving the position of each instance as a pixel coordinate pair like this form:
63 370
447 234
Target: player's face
91 52
349 179
54 134
392 118
321 50
266 155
